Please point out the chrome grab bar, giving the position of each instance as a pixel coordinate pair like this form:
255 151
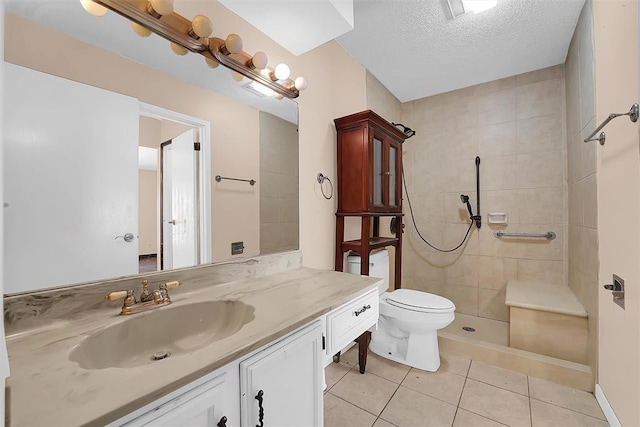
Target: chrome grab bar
549 235
633 116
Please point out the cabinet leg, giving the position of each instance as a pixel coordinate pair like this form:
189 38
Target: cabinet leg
363 346
336 358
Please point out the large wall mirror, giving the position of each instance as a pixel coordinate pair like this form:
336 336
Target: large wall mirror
112 146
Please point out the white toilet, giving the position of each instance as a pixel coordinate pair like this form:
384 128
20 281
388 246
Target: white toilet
407 330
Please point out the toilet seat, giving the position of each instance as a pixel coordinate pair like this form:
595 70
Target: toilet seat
419 301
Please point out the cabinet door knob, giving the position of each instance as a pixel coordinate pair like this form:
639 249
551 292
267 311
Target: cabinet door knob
222 422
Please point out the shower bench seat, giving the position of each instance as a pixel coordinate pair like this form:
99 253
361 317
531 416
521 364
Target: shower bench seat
547 319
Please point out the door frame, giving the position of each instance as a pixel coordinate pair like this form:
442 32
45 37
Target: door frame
203 185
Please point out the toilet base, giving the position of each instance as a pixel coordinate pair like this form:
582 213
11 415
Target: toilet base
417 350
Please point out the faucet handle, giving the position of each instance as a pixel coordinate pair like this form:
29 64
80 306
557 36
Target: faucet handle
173 284
113 296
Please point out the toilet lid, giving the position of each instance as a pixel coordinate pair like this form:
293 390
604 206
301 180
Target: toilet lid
419 301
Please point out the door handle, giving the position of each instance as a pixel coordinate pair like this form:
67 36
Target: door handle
127 237
172 222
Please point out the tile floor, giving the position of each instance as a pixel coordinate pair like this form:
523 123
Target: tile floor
461 393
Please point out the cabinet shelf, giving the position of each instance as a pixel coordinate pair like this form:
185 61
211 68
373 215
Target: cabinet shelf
374 243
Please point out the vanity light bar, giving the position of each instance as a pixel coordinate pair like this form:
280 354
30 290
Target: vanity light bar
175 28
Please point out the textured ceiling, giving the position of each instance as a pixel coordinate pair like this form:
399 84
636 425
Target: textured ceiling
415 49
411 46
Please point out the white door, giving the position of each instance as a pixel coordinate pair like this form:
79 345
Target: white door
179 202
70 181
282 385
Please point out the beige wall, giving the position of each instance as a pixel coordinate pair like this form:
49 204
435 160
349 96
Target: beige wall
148 189
581 176
279 190
516 126
618 180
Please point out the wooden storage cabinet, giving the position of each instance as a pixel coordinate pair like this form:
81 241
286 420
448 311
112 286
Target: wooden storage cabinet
369 185
369 164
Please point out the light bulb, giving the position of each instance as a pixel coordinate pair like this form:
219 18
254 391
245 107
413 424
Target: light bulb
232 44
93 8
282 72
211 63
301 83
160 7
237 76
259 61
140 30
202 26
178 50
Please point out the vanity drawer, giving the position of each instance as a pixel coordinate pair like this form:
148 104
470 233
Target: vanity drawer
348 322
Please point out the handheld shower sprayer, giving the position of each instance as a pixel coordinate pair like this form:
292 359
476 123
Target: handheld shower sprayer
465 199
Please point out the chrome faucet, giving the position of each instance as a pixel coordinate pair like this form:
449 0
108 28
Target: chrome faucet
147 299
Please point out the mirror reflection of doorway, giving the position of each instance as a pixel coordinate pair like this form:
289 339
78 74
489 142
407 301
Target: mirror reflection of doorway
169 203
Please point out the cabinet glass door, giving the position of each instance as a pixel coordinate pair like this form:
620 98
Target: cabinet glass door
377 171
392 176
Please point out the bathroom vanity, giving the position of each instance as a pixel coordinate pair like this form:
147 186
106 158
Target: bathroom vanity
295 314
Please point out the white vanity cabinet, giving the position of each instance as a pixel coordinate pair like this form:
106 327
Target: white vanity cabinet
282 384
206 404
289 372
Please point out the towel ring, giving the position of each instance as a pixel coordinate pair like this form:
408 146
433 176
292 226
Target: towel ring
321 179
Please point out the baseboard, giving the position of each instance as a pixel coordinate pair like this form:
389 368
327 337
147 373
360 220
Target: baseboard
606 408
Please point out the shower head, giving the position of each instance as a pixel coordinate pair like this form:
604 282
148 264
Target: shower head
465 199
406 130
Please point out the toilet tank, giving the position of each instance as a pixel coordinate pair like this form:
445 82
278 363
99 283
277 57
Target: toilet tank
378 267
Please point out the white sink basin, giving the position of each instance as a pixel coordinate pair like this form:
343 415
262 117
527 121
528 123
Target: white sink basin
144 338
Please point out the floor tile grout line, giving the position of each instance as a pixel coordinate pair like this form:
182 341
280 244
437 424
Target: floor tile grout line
568 409
461 392
353 404
530 408
389 401
497 386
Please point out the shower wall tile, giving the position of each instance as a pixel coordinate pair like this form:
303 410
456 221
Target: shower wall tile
501 201
575 204
494 86
540 99
452 235
269 210
497 140
491 305
288 210
588 253
495 272
539 75
590 201
497 107
542 249
588 150
540 170
454 210
544 271
574 157
463 270
515 125
541 205
465 298
498 173
539 134
428 206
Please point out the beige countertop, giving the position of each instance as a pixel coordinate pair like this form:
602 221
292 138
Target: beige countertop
46 388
